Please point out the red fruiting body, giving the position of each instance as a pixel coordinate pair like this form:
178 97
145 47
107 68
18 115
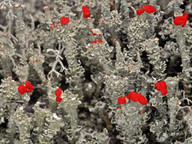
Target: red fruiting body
137 97
164 92
181 20
58 99
95 41
100 40
142 99
185 19
161 86
85 14
22 89
178 20
58 92
121 100
29 86
133 96
85 10
149 8
186 16
128 96
64 20
140 11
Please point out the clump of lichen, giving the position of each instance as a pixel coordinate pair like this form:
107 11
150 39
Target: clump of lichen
95 55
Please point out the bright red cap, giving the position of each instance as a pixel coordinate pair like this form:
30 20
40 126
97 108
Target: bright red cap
181 20
95 41
130 94
22 89
85 9
29 86
161 86
149 8
121 100
85 14
184 23
185 15
178 20
164 92
133 96
140 11
58 99
64 20
142 99
58 92
100 40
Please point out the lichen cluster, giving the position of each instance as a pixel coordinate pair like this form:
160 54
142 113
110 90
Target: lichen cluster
93 52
